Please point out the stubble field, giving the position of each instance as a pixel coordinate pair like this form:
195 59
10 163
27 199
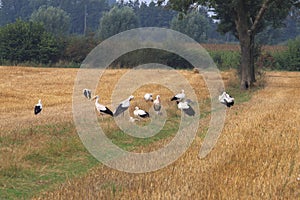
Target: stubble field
256 157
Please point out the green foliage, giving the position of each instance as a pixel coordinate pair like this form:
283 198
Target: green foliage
78 47
27 41
116 21
143 56
290 59
54 20
152 15
226 59
194 24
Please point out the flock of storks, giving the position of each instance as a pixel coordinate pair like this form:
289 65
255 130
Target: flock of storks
182 103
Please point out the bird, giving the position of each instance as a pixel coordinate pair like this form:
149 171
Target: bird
148 97
157 105
101 108
87 93
140 113
38 107
186 108
124 105
178 97
226 99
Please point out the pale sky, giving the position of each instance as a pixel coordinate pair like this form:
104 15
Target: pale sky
147 1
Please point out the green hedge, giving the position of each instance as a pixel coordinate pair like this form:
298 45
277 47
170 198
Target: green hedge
289 59
226 59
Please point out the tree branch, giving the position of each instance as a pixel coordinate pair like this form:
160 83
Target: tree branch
259 16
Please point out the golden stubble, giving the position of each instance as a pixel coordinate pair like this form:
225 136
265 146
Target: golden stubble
256 157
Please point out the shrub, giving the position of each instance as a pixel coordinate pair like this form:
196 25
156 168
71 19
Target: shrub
28 42
289 59
78 47
226 59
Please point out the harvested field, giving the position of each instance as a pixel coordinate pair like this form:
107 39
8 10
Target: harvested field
256 157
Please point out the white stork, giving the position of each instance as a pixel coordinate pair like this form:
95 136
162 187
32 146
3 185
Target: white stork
157 105
226 99
101 108
140 113
148 97
178 97
87 93
38 107
124 105
186 108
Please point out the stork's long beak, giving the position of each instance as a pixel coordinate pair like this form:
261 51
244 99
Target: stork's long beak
94 98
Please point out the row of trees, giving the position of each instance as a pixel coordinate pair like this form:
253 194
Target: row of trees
80 17
42 33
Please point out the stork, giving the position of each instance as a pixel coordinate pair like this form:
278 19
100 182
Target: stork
101 108
140 113
157 105
226 99
87 93
38 107
179 97
148 97
124 105
186 108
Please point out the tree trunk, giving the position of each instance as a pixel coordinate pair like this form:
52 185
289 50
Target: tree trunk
252 59
242 23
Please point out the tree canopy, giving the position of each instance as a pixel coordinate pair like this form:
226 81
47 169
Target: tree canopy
54 20
117 20
194 24
28 41
244 18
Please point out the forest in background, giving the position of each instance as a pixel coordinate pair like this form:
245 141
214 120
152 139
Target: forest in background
65 31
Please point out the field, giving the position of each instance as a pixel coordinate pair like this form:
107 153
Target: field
256 157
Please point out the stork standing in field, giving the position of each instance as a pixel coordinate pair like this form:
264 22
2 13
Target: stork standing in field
148 97
140 113
101 108
38 107
179 97
226 99
186 108
157 105
87 93
124 105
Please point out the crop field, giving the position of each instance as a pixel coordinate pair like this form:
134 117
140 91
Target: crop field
257 155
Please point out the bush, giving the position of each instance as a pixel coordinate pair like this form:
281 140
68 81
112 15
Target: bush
149 55
265 61
28 42
78 47
289 59
226 59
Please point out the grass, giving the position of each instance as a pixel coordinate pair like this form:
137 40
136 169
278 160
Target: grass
42 156
61 157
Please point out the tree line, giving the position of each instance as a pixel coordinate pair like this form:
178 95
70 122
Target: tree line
81 17
54 31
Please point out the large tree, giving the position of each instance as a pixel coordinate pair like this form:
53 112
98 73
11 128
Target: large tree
54 20
194 24
117 20
244 18
28 41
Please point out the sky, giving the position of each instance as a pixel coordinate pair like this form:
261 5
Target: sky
147 1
